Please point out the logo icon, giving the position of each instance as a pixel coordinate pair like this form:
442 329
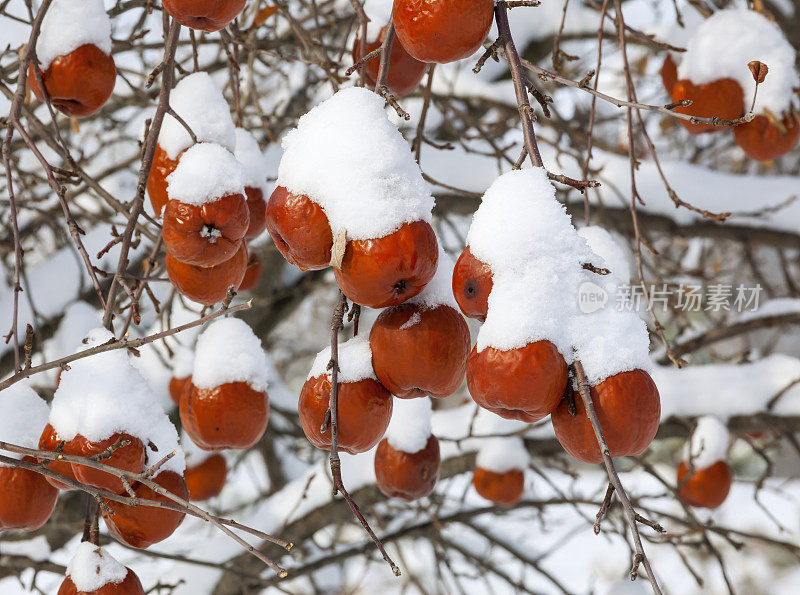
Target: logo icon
591 297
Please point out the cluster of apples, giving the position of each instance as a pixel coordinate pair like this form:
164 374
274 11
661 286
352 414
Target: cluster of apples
221 393
210 193
704 475
714 75
427 32
104 405
525 287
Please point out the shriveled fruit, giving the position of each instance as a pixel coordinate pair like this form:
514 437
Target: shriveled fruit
204 15
525 384
208 234
410 476
722 98
78 83
300 229
208 285
206 479
418 351
49 441
130 585
763 140
365 408
130 457
142 526
439 31
257 207
472 284
26 498
505 489
388 271
405 71
705 488
628 408
157 180
231 415
669 73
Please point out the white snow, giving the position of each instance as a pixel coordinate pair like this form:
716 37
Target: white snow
182 362
229 351
206 172
501 455
252 159
439 290
23 415
347 156
723 45
92 568
193 453
355 361
103 394
378 12
199 103
613 254
68 25
708 443
410 426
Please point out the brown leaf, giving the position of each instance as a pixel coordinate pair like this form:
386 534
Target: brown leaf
264 14
759 70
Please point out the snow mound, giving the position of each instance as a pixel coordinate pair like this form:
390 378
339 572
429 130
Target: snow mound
708 443
103 394
182 362
501 455
410 426
23 415
613 255
199 103
252 159
347 156
206 172
722 46
439 290
68 25
355 361
92 568
229 351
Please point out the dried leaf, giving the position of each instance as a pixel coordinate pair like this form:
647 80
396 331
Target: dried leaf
338 248
264 14
759 70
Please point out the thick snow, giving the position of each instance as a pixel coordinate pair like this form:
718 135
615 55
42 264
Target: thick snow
68 25
410 426
199 103
252 159
355 361
92 568
229 351
613 254
103 394
723 45
347 156
23 415
182 362
502 454
439 290
708 443
206 172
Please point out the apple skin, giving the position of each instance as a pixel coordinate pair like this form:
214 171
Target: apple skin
409 476
722 98
442 32
204 15
78 83
49 441
472 284
26 499
405 71
258 212
208 285
524 384
505 489
761 140
130 457
428 357
705 488
364 409
629 410
207 479
300 229
387 271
